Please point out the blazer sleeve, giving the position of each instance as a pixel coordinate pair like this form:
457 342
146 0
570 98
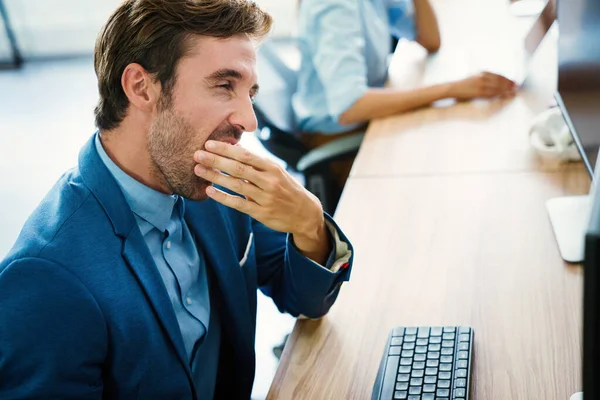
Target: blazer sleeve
53 336
296 284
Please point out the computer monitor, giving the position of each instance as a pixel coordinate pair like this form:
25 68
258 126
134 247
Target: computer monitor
579 99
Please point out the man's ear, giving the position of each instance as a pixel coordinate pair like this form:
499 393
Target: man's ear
140 88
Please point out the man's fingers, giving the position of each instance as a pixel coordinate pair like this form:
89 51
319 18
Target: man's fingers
235 202
230 166
236 185
238 153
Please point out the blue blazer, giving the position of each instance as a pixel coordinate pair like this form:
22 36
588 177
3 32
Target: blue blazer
84 313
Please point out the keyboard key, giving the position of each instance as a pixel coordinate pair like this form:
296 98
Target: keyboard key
396 341
460 393
463 355
398 331
446 359
443 393
407 353
435 347
404 369
463 346
436 339
423 332
403 377
430 379
436 331
461 373
443 384
411 331
406 361
448 336
445 367
421 349
414 397
462 364
409 338
409 346
433 355
417 373
402 386
449 329
420 357
433 363
447 351
445 375
418 365
416 382
400 395
460 383
431 371
429 388
464 329
395 350
414 390
448 343
422 342
464 337
427 396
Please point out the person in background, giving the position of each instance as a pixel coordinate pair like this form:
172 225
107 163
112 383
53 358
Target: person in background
136 277
345 46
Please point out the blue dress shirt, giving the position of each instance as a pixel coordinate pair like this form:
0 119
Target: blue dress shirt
345 46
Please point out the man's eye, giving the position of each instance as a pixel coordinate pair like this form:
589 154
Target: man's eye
226 86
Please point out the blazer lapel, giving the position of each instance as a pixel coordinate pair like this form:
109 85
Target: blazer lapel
142 265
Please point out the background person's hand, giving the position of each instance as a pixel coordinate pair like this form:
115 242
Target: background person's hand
272 196
483 85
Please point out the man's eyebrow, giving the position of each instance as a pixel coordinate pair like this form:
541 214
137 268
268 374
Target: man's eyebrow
224 74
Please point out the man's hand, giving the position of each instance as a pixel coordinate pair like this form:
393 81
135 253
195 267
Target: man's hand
272 196
485 85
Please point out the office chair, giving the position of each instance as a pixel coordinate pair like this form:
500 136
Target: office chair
277 129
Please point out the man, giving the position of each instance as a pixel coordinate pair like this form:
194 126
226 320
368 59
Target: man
135 277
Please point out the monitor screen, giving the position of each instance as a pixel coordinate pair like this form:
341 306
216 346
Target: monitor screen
579 73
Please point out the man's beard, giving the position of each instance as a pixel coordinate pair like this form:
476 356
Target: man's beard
172 143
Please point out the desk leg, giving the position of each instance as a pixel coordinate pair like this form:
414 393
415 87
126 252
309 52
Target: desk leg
570 217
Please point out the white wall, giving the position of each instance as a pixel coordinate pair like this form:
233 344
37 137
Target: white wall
48 28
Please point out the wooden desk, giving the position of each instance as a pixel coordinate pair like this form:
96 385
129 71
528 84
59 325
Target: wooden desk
446 209
476 250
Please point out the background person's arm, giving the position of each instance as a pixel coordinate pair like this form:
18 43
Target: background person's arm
427 28
384 102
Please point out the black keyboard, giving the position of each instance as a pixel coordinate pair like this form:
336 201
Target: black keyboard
426 363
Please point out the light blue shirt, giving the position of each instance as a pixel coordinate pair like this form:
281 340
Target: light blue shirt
160 219
345 46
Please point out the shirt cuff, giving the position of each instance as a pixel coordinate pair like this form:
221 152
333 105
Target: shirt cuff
340 254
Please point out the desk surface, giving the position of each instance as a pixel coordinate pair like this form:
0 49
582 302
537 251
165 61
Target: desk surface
446 209
472 250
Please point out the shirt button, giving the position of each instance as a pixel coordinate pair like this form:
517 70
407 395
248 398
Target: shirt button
169 244
188 301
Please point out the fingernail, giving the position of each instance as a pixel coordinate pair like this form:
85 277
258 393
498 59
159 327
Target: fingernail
210 145
210 190
200 156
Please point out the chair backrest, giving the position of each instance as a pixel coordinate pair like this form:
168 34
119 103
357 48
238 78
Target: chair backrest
273 104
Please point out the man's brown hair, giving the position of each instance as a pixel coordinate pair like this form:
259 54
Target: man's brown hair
154 33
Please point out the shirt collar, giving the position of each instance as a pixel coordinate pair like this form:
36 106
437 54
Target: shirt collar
152 206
